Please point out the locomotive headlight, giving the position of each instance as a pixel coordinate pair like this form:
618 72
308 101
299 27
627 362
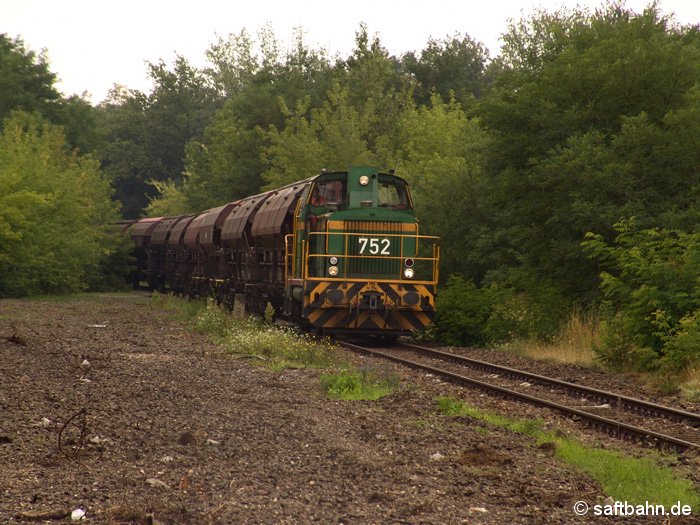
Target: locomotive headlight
332 271
409 263
333 261
364 180
408 273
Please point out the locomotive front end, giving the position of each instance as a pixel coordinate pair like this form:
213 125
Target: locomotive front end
356 261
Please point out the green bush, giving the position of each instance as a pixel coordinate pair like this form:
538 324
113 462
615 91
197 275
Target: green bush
651 280
469 315
462 311
525 307
114 270
682 349
521 316
617 349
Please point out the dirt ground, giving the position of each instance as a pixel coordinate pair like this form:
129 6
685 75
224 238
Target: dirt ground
113 407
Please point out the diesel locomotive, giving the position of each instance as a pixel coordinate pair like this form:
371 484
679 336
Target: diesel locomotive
335 253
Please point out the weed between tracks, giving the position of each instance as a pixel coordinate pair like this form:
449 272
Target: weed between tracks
625 478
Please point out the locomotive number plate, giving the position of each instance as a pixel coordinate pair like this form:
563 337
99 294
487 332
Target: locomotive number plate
374 246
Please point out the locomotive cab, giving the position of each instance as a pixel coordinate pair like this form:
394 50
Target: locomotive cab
358 189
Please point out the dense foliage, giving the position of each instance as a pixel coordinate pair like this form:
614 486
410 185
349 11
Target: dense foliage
563 173
590 122
144 136
55 208
652 285
27 84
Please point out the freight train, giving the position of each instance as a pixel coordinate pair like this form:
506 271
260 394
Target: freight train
335 253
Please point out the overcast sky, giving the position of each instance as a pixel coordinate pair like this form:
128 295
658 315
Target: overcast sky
93 44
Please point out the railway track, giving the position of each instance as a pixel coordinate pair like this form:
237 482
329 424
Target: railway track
617 414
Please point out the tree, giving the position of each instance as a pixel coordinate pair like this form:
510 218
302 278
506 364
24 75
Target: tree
144 136
26 83
440 157
180 107
253 74
453 67
55 210
650 277
171 201
340 115
378 89
583 121
334 136
233 64
123 153
225 165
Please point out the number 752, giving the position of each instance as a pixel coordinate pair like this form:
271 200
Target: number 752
374 246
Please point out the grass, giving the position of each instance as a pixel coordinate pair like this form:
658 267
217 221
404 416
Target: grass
275 347
78 296
457 408
574 344
183 309
278 348
690 386
625 478
356 385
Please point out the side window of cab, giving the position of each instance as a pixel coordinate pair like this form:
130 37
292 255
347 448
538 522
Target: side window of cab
327 193
326 196
392 194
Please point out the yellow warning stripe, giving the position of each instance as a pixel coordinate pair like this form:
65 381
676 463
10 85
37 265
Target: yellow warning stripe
423 291
404 323
315 314
319 289
424 319
336 319
361 318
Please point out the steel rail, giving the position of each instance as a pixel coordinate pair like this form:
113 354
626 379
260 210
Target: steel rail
619 399
620 427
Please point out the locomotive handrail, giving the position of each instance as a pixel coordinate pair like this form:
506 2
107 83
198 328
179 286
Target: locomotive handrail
375 257
377 234
289 254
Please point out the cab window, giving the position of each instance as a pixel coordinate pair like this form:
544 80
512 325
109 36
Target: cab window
392 193
327 192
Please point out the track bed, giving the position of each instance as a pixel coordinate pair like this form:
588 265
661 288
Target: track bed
177 430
